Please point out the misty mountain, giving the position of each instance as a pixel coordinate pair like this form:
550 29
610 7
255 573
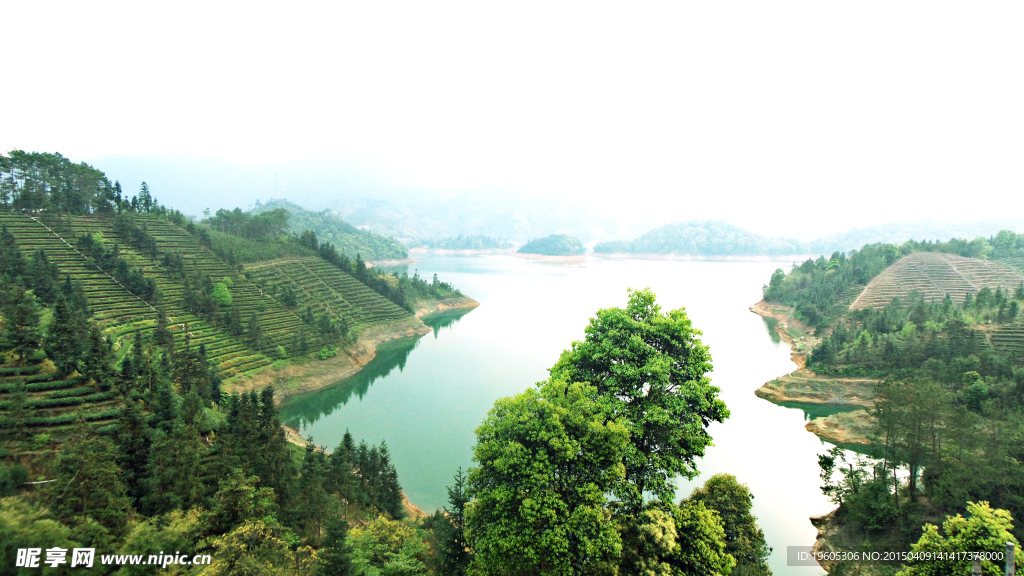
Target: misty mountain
720 238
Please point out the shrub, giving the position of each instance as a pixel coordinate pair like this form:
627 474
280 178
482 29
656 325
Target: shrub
327 352
221 294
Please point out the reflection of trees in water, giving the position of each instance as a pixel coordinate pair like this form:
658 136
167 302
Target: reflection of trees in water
771 323
813 410
445 319
309 407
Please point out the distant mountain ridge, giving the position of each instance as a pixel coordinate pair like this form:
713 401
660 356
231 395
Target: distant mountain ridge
703 238
720 238
345 237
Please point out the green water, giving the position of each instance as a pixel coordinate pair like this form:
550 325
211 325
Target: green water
426 396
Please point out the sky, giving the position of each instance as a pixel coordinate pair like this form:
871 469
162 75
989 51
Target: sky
809 116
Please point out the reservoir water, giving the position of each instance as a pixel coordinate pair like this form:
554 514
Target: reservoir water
425 397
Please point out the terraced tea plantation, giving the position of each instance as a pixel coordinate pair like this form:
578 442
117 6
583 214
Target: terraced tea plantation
119 313
318 284
1009 340
42 406
934 275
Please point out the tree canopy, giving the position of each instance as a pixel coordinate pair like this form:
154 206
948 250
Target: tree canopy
654 371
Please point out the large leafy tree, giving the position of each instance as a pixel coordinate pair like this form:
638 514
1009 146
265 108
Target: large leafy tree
547 458
984 530
744 539
653 369
669 540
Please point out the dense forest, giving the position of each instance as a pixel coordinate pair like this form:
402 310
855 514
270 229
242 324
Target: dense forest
460 242
330 228
554 245
949 405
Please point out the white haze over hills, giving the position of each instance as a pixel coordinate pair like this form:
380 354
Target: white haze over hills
793 118
402 210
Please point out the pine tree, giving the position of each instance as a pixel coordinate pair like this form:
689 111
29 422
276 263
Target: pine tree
390 491
255 333
21 323
343 479
18 408
164 406
336 552
12 263
453 556
43 275
273 464
75 295
162 336
133 444
63 340
88 481
312 494
145 201
98 364
174 472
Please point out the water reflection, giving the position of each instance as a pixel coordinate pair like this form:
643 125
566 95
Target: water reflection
813 410
445 319
304 409
771 323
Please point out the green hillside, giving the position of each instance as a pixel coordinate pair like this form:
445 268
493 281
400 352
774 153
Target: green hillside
929 336
120 313
346 238
553 245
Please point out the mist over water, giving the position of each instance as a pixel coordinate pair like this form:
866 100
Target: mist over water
425 397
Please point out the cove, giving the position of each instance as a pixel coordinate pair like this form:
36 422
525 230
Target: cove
426 396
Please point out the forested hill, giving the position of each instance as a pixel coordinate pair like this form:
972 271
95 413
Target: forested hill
237 286
935 330
554 245
120 320
332 229
704 238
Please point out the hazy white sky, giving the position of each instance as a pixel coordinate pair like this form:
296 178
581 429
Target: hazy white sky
836 113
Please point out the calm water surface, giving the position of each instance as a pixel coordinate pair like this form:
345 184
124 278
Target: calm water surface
426 396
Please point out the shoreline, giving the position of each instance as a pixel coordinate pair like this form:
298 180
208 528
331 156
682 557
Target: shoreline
380 263
805 386
309 374
568 260
790 258
426 308
454 252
